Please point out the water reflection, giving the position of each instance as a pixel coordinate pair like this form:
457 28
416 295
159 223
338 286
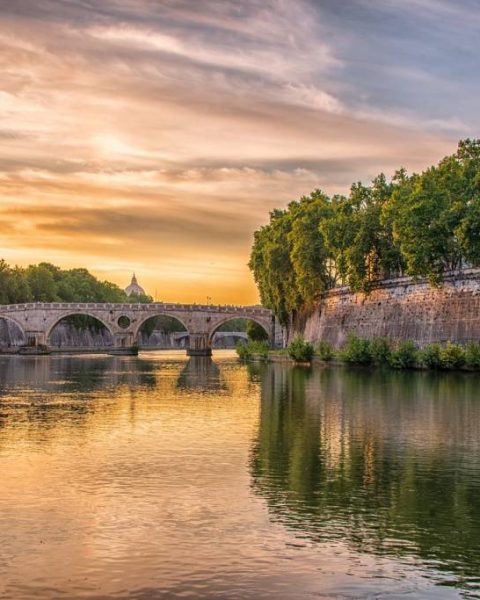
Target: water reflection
65 373
200 373
165 477
388 461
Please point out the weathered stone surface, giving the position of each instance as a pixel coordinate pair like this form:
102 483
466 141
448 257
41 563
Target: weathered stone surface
37 321
398 309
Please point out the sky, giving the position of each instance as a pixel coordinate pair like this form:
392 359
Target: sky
154 136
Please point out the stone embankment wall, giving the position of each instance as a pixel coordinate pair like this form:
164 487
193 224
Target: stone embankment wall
399 309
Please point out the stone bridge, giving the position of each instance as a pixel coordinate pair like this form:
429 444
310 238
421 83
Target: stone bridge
124 321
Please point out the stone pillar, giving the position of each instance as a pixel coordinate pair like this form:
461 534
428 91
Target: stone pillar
34 338
123 343
199 345
34 343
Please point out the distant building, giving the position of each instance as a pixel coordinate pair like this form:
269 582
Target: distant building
134 288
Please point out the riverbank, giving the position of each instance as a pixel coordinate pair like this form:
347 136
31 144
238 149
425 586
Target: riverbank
316 361
377 352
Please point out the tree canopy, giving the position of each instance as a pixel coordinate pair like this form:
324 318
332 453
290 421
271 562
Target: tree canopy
421 225
45 282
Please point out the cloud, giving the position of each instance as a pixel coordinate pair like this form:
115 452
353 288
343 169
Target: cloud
156 137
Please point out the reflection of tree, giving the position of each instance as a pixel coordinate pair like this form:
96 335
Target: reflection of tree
79 374
51 392
202 374
387 461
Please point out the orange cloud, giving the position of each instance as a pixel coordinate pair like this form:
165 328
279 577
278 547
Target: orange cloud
157 139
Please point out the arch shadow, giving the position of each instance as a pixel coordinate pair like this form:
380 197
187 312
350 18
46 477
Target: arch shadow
183 335
50 333
227 319
9 338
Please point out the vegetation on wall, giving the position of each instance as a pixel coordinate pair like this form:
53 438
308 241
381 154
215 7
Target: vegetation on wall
420 225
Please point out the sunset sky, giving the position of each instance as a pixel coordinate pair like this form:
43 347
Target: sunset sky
156 135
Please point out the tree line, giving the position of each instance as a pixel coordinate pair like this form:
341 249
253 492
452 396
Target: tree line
422 225
45 282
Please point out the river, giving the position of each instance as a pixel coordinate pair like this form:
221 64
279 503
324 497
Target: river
163 477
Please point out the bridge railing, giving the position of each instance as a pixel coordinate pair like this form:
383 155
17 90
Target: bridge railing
151 307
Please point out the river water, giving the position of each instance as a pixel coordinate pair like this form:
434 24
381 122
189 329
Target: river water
162 477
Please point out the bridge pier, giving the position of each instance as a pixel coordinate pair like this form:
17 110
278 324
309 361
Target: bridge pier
199 345
35 343
123 343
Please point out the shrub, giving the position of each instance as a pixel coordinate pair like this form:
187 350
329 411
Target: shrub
380 350
357 350
325 351
300 350
243 351
260 348
430 356
404 356
246 351
452 356
472 355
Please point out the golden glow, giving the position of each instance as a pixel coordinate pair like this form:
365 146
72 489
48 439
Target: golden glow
159 149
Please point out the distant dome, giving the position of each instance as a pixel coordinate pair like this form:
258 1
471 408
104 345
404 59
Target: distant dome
134 288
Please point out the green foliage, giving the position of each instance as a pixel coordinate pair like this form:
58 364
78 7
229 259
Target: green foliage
270 261
238 324
449 356
452 356
380 349
47 283
420 224
472 355
430 356
139 298
246 351
163 323
324 350
243 351
405 355
300 350
367 249
256 332
434 214
357 350
259 348
309 255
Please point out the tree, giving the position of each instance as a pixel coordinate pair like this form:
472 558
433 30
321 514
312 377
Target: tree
255 332
42 284
310 256
272 266
372 254
48 283
423 224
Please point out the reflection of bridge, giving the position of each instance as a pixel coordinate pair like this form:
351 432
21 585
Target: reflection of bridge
36 321
180 339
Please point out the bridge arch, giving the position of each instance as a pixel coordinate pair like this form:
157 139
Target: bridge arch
218 324
155 315
76 313
20 327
